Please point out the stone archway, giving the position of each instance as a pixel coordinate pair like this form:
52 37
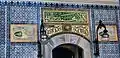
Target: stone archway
66 39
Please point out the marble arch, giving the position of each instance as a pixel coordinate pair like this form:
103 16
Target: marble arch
66 39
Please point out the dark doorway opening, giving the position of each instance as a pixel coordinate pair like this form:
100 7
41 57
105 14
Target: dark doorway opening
62 53
67 51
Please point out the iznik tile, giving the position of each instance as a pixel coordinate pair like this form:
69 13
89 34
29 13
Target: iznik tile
23 14
107 16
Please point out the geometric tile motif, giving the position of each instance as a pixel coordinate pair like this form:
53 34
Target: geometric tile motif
107 16
109 50
2 25
26 50
23 14
2 51
2 32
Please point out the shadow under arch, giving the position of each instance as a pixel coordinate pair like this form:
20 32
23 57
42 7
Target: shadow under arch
75 45
68 52
68 33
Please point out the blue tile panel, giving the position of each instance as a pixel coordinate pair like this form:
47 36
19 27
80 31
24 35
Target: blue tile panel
2 32
109 50
23 15
2 25
107 16
23 50
2 51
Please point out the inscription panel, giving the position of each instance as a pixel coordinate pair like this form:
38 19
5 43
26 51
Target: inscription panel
52 29
63 16
66 20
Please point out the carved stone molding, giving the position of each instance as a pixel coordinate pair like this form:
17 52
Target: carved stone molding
64 39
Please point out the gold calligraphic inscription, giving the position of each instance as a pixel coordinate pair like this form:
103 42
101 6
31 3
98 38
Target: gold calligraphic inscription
55 16
81 29
53 29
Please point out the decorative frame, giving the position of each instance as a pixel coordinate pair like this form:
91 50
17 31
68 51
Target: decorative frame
112 31
57 20
23 32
